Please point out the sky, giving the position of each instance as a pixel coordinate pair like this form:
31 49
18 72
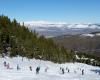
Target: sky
70 11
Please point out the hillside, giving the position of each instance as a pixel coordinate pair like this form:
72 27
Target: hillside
83 43
53 71
16 39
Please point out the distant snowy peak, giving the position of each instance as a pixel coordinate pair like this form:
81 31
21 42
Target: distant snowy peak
90 35
82 26
61 25
98 34
43 24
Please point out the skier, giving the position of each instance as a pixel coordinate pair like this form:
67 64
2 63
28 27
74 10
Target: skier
8 66
37 70
68 70
46 69
63 71
82 71
22 58
75 71
18 67
30 68
60 68
5 64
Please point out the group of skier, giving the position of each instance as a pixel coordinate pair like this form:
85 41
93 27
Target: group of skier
37 69
68 70
7 65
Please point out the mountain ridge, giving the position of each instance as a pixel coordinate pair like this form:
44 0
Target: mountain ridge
61 28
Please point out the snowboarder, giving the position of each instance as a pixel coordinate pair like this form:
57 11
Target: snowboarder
37 70
30 68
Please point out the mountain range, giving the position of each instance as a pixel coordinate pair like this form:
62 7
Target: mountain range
51 29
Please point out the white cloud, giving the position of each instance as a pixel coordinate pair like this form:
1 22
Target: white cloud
42 23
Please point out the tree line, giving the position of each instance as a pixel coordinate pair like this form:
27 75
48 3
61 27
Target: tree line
17 39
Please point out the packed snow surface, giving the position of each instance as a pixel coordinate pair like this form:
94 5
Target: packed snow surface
53 72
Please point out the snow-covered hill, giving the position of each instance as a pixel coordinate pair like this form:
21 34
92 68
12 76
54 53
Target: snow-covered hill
91 34
52 29
53 72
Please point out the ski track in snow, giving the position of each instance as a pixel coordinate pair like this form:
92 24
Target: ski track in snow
53 72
